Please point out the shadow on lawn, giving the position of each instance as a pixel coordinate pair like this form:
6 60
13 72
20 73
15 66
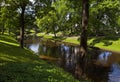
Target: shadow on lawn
7 38
107 40
21 65
15 53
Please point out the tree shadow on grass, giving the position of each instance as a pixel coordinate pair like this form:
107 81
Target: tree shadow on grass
21 65
106 40
7 38
15 53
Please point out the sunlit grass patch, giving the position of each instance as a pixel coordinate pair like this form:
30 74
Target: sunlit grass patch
108 43
6 42
72 40
40 34
48 36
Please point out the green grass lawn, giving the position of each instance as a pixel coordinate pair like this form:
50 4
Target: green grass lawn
109 43
21 65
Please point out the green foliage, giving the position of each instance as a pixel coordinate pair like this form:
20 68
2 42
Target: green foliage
8 21
60 17
10 15
63 16
104 16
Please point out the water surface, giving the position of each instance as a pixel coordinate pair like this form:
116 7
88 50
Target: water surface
99 66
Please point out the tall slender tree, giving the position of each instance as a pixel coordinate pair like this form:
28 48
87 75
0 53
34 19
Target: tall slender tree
20 6
22 23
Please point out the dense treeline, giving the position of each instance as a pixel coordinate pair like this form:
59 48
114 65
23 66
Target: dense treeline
63 17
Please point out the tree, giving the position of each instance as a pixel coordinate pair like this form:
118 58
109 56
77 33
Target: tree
103 17
85 15
60 17
20 6
46 17
22 23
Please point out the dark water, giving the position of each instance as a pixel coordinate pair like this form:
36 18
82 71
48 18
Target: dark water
99 66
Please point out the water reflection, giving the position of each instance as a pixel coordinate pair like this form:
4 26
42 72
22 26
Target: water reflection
114 75
103 57
99 66
34 47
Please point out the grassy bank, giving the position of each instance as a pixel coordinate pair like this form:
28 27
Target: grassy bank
21 65
109 43
104 42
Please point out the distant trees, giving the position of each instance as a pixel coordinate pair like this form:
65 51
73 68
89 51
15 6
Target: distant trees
69 17
62 16
49 21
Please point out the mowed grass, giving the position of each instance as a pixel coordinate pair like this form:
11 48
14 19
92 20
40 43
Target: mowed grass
108 43
105 42
21 65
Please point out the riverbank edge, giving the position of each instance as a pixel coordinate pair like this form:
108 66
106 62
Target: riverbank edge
104 43
22 65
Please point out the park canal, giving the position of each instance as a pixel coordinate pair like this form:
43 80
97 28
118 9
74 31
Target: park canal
99 65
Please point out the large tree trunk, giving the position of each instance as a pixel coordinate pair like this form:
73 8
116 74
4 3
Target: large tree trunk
81 60
22 24
85 16
83 41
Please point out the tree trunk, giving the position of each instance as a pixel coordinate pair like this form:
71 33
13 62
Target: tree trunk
22 24
83 41
85 16
81 60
